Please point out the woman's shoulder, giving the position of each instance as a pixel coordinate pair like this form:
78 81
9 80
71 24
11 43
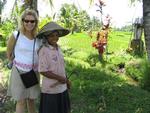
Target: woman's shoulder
15 33
39 42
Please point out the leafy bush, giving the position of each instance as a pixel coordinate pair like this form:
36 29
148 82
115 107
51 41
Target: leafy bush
120 57
93 59
76 62
67 50
134 69
44 21
80 55
5 29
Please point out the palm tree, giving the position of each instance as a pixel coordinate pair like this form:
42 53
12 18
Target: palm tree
31 4
146 25
2 3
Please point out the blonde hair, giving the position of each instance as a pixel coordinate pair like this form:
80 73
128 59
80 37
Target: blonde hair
24 14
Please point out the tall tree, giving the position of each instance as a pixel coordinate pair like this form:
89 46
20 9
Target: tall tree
68 15
31 4
2 3
146 24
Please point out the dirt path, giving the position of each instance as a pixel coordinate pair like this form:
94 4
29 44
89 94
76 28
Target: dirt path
132 82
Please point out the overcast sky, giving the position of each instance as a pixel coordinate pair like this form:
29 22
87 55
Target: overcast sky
119 10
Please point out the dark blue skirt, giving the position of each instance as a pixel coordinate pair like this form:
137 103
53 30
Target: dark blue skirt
55 103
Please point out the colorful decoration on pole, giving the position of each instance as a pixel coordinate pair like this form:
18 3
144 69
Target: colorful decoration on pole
101 41
101 38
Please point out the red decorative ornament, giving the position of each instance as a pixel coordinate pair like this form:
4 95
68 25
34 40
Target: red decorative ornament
100 46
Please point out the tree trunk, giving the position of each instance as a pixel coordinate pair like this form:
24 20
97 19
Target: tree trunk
146 23
34 4
2 3
31 4
0 15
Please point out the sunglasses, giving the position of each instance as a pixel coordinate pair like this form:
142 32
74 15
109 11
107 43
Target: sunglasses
31 21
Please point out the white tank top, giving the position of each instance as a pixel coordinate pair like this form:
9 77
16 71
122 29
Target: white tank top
24 52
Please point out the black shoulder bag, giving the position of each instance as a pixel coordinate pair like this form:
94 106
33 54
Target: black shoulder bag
29 79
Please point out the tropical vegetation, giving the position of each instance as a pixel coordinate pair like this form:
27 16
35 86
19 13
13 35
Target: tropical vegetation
119 84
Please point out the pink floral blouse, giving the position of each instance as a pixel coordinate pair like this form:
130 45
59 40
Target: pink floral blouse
51 59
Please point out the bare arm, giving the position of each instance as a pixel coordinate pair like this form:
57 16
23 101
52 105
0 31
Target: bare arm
57 77
10 46
51 75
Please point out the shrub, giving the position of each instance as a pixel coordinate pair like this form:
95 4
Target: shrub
76 62
80 55
145 83
134 69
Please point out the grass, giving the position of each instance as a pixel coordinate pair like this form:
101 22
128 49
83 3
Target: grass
118 41
101 92
99 87
78 42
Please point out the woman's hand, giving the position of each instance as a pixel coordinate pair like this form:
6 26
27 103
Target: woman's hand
62 79
68 82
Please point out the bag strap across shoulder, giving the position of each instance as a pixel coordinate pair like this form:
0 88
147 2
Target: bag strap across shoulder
17 36
13 51
16 39
33 53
